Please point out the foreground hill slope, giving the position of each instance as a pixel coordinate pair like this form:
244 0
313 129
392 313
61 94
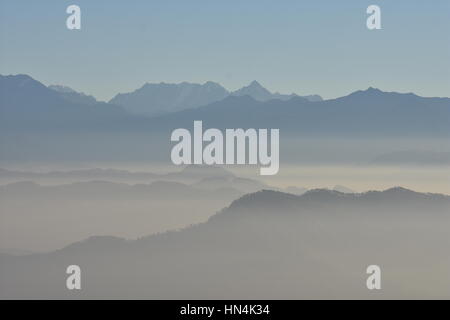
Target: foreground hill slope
264 245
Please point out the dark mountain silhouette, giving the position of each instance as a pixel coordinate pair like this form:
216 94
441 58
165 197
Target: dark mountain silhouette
369 113
26 105
264 245
73 96
37 123
394 197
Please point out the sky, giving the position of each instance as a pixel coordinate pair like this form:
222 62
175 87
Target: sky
307 47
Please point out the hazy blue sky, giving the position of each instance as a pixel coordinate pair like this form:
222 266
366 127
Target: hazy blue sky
305 47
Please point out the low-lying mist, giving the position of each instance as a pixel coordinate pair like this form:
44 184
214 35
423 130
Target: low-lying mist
266 245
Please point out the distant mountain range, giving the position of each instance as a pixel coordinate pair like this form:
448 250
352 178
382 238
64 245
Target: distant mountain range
162 98
259 93
265 245
367 113
73 96
159 202
196 176
101 207
211 177
37 121
155 99
26 104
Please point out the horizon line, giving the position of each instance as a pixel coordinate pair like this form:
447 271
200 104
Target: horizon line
230 91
